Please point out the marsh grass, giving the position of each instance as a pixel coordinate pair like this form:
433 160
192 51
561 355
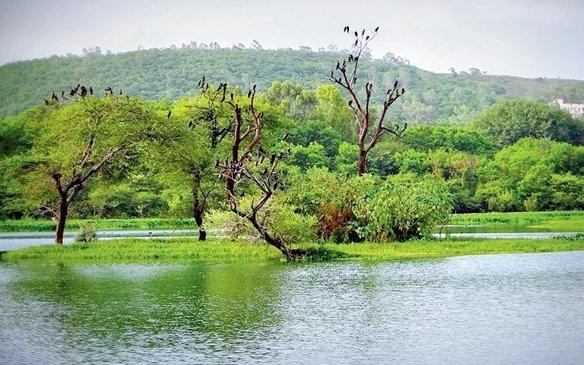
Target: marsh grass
556 220
242 250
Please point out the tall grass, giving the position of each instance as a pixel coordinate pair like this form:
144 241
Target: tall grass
568 218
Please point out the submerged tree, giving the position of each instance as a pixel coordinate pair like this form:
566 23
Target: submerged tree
370 127
250 164
77 141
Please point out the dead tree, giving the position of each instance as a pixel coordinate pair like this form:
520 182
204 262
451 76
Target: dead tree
370 129
246 153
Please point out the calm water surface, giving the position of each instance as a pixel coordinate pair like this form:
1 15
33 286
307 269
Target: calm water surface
503 309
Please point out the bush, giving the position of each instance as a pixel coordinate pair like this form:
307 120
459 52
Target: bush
87 234
403 207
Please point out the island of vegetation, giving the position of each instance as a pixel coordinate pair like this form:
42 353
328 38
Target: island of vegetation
351 168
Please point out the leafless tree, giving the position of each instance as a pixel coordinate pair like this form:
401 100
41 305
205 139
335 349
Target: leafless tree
370 129
246 153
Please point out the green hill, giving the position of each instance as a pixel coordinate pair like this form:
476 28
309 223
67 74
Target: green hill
171 73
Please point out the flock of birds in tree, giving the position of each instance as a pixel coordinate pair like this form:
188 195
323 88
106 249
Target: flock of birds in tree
79 90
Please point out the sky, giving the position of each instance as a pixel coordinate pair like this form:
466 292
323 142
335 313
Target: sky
529 38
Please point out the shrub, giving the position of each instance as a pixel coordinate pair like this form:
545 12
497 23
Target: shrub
403 207
87 234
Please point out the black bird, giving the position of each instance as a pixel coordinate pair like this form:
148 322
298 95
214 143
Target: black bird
54 97
90 90
356 42
121 92
108 91
63 94
83 91
376 29
363 32
220 86
168 115
356 34
395 84
350 102
249 94
403 91
72 92
346 29
46 102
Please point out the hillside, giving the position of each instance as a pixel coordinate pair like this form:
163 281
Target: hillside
171 73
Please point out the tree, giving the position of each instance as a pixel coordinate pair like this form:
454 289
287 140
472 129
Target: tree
508 121
345 75
199 125
77 141
245 165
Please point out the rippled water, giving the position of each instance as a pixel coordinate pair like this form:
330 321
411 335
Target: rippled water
524 308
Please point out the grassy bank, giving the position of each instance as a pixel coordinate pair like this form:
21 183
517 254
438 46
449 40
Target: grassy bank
223 250
561 221
37 225
556 221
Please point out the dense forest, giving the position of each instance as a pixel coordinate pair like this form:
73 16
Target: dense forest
170 73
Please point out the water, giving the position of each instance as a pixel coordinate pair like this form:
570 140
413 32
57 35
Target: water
499 309
15 240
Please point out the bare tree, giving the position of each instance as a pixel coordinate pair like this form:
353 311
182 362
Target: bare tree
246 153
370 129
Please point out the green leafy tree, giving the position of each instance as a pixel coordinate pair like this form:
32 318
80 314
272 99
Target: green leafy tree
77 141
510 120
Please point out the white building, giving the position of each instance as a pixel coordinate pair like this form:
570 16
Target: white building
575 109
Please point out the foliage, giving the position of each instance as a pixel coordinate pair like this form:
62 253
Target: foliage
403 207
533 174
87 234
168 73
510 120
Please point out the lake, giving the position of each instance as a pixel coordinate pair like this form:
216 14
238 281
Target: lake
524 308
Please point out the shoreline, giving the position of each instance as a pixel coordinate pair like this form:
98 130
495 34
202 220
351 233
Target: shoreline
225 250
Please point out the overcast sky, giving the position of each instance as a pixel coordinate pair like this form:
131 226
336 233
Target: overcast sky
529 38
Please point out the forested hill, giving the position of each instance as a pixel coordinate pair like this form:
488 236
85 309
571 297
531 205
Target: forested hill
173 72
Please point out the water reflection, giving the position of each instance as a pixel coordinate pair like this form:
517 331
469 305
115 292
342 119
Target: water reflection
484 309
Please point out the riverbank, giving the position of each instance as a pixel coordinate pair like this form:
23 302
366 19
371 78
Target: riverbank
133 250
552 221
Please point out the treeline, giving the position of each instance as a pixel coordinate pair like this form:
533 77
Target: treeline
155 74
516 155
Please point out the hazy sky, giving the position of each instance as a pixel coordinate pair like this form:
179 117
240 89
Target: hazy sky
514 37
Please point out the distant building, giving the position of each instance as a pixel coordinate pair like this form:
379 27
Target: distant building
576 110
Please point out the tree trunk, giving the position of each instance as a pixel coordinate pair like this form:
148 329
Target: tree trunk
291 255
199 220
63 206
198 207
362 161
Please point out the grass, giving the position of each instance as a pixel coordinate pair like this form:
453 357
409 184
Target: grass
28 225
225 250
555 220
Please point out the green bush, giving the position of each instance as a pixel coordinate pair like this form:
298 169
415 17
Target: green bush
87 234
403 207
